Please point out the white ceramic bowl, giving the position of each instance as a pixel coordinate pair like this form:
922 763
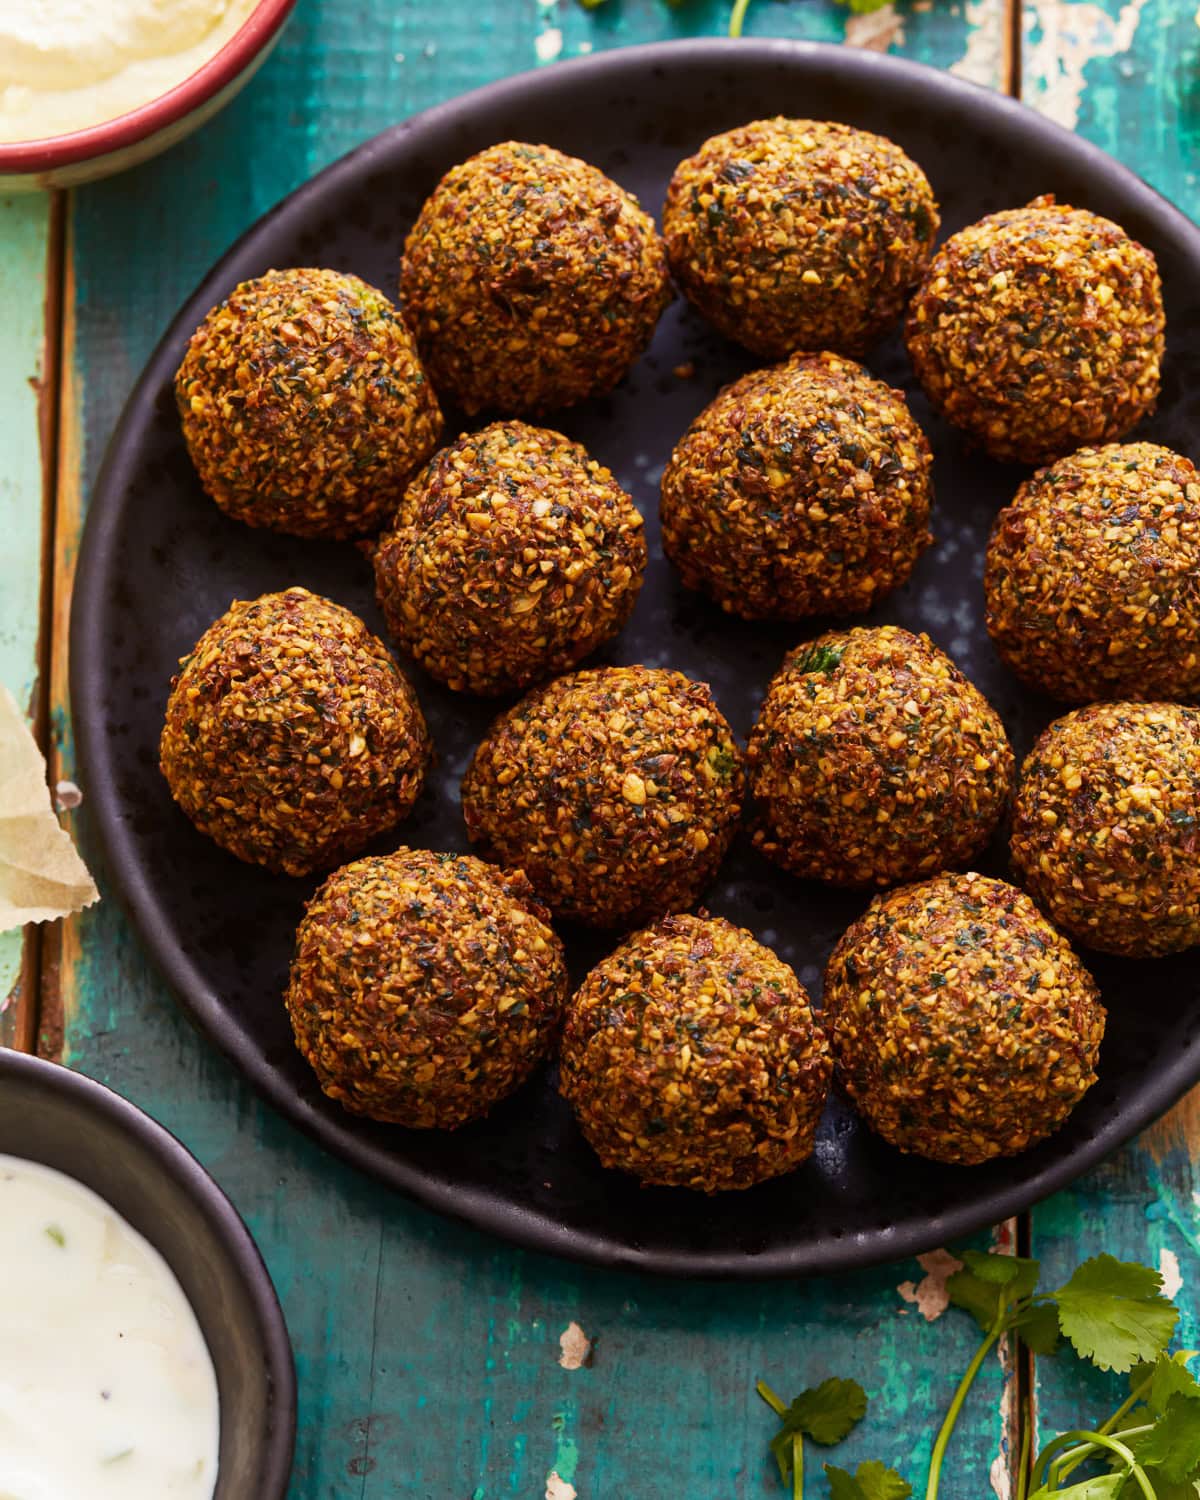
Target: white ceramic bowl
83 155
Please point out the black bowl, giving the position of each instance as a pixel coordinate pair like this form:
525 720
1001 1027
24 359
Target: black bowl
62 1120
159 562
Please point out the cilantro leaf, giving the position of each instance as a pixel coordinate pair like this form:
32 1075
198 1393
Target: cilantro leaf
870 1481
1104 1487
986 1281
814 658
1168 1376
827 1412
1038 1327
1165 1488
1174 1444
1114 1313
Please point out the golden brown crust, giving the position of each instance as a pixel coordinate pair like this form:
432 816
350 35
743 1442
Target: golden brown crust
963 1025
874 761
802 489
513 556
1106 826
291 737
425 987
691 1058
304 405
531 281
1038 330
799 234
1093 576
617 791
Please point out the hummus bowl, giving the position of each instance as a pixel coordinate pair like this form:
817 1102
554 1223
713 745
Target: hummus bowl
151 82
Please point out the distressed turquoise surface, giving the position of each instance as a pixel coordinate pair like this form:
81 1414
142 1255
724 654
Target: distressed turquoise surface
24 232
1126 77
427 1353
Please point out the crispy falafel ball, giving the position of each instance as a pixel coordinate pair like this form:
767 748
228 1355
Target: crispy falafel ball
513 556
802 489
875 761
616 790
1106 826
691 1058
963 1026
1038 330
292 738
531 281
304 405
425 987
799 234
1093 576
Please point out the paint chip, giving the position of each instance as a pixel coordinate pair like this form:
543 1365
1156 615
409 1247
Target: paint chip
559 1489
877 30
930 1295
576 1347
67 795
549 44
1168 1269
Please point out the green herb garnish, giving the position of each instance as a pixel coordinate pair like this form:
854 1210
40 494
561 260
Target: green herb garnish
825 659
826 1413
54 1233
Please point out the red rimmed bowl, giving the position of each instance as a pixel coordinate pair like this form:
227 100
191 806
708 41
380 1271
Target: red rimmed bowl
62 161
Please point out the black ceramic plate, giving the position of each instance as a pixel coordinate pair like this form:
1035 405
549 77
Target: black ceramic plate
159 563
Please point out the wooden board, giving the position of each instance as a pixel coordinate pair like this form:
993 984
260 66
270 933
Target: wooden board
1124 76
428 1355
28 271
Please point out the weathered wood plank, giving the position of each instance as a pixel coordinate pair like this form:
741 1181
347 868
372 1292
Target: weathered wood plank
428 1354
27 236
1122 75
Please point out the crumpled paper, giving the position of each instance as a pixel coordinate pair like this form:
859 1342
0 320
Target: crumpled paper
41 875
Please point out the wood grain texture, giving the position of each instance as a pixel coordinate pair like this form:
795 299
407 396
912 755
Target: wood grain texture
427 1354
1125 76
26 278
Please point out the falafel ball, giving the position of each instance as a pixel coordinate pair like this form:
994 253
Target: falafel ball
799 234
963 1026
425 987
1106 826
1038 330
875 761
616 790
531 281
513 556
691 1058
304 405
1093 576
802 489
292 738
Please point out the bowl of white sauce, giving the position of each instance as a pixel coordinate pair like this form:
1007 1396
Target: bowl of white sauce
90 87
143 1352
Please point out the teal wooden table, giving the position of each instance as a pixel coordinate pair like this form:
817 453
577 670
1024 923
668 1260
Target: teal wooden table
428 1355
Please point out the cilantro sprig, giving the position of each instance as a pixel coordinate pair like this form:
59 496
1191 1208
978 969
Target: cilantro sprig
1111 1313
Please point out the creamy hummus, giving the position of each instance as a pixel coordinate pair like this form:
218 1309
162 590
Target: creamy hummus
68 64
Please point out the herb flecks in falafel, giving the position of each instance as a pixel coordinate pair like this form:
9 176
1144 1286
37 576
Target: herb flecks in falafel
874 761
799 234
513 556
616 790
531 281
304 405
424 987
801 489
692 1059
963 1026
292 738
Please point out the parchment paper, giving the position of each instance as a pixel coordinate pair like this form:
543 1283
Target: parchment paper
41 875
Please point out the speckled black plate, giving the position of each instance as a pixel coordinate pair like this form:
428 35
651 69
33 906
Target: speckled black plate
159 563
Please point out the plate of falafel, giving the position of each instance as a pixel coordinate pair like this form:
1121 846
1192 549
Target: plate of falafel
634 656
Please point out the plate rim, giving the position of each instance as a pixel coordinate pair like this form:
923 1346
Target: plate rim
533 1229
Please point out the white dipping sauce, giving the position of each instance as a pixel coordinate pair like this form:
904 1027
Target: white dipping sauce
69 64
107 1390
